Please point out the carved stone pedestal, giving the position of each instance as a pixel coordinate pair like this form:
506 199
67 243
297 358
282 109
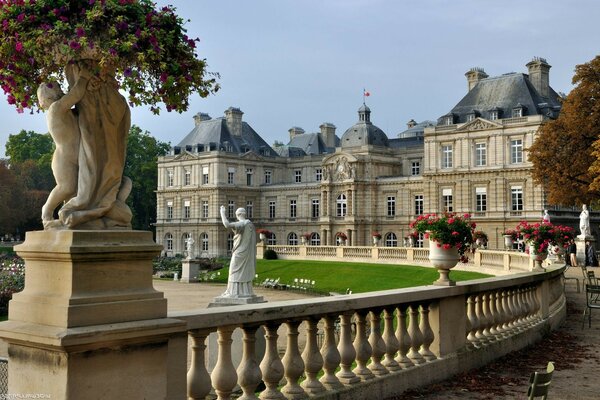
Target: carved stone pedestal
89 324
189 271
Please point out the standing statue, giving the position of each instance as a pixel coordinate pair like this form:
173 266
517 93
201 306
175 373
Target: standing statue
584 223
242 267
189 243
546 217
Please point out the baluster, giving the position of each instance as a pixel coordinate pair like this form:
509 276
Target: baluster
416 338
362 347
198 378
493 316
533 303
249 375
536 305
224 377
520 310
525 306
330 354
391 342
508 317
313 361
485 308
347 352
501 315
271 365
481 321
427 332
403 337
293 364
513 310
517 310
473 322
377 345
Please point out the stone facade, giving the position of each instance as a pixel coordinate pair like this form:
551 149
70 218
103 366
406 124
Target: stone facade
474 159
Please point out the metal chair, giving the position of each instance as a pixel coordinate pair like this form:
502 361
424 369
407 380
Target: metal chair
539 383
592 298
565 278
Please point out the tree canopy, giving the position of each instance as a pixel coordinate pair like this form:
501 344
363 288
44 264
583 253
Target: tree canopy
146 48
566 152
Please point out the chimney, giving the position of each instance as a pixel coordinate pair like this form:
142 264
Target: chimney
201 117
411 123
233 118
539 75
475 75
328 134
295 131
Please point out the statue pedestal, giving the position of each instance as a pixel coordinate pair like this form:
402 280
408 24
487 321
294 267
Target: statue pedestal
189 271
89 323
236 301
580 243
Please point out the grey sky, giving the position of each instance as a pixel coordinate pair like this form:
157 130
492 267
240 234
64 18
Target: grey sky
301 63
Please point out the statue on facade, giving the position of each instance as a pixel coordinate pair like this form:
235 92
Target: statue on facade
242 267
546 217
584 222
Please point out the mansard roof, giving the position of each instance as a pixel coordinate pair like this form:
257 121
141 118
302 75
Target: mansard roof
214 132
503 93
364 132
311 143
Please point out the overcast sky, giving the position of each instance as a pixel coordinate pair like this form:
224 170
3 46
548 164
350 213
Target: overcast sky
304 62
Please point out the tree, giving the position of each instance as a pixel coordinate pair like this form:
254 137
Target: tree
29 145
565 148
10 200
143 151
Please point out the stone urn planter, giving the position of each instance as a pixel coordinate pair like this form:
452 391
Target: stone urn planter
262 236
537 258
443 260
508 242
375 240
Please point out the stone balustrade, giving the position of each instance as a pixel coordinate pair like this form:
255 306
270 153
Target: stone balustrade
494 262
373 345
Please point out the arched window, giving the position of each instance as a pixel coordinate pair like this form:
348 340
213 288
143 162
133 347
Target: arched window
271 239
391 240
230 242
204 241
292 239
315 239
169 242
341 205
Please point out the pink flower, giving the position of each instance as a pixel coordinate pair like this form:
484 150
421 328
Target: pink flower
446 246
455 233
451 220
19 47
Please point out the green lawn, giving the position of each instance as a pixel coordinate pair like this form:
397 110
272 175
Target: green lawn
358 277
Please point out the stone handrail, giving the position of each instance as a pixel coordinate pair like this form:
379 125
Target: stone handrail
493 262
397 339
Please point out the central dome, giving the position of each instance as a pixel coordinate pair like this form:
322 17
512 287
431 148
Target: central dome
364 132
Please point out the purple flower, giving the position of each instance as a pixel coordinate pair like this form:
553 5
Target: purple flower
19 47
74 45
112 52
21 17
127 72
80 32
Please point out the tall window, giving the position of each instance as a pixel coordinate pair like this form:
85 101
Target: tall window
272 209
187 209
204 241
298 176
391 240
293 208
187 177
204 208
170 178
230 242
169 241
205 175
249 209
447 200
419 204
318 174
314 212
230 175
415 168
480 199
341 205
268 177
315 239
447 156
292 239
480 154
516 151
271 239
391 206
249 176
231 209
516 198
169 209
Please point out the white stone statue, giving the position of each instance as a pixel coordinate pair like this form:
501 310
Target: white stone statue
242 267
189 243
584 222
546 217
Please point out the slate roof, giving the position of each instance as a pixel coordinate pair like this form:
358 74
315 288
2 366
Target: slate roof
504 93
364 132
213 133
417 130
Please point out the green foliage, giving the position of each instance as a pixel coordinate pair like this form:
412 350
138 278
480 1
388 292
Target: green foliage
270 254
29 145
167 264
359 277
154 60
143 151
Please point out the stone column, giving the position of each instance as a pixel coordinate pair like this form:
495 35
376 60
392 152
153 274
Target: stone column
89 323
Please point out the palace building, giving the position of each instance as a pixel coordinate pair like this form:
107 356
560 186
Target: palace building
473 159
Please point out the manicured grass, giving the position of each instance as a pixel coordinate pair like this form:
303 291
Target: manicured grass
358 277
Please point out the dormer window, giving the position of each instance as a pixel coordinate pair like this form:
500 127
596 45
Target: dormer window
494 114
228 147
517 111
448 120
472 115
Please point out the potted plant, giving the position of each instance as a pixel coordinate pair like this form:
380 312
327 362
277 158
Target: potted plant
480 237
510 236
263 234
450 237
342 237
306 237
538 237
376 237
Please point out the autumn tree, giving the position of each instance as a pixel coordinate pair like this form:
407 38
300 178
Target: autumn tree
565 148
143 151
10 197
